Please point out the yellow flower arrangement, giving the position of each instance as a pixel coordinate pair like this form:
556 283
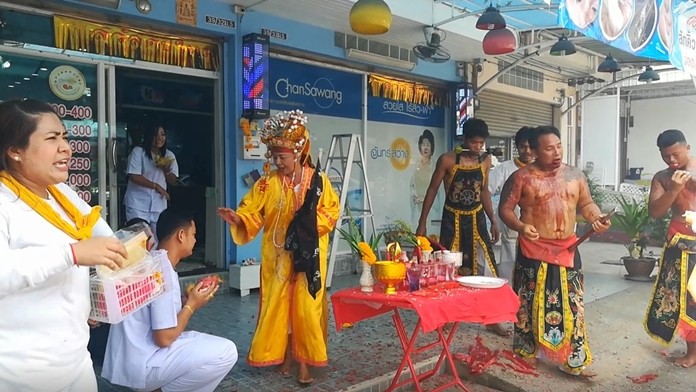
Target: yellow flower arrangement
366 253
367 250
424 244
162 161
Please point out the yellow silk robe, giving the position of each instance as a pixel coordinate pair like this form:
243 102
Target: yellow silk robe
285 304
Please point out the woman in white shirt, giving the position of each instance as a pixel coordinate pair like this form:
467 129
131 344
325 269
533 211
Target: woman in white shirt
151 167
48 239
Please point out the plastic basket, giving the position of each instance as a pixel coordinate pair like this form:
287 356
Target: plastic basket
114 297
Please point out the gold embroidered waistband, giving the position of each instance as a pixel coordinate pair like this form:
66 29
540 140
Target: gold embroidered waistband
461 212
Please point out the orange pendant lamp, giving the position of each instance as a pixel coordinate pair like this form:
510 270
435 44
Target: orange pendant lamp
370 17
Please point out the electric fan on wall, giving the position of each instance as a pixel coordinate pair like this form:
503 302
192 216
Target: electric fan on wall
431 50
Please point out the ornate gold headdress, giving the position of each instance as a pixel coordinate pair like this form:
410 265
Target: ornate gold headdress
286 130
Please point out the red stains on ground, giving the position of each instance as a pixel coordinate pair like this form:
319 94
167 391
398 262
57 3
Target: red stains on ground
644 379
480 358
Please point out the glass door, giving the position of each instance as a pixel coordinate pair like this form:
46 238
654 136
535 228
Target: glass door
75 90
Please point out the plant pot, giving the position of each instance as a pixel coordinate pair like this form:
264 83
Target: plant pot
639 269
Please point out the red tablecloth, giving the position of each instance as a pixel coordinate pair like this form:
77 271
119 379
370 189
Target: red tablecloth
436 306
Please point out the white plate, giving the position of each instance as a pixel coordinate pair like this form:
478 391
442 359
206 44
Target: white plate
481 282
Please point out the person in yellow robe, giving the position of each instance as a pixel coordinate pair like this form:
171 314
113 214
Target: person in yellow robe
297 208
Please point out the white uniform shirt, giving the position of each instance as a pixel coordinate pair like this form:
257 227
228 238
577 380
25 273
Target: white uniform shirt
44 298
496 179
147 199
131 348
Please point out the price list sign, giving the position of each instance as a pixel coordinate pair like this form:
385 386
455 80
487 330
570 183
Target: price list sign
82 136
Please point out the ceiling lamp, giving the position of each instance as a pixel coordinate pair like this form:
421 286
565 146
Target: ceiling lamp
649 75
497 42
563 47
491 20
609 65
370 17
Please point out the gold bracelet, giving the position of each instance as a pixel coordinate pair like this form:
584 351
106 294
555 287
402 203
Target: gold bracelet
190 309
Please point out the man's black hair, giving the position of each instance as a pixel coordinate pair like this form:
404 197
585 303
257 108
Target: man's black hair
522 136
670 137
171 221
475 127
538 132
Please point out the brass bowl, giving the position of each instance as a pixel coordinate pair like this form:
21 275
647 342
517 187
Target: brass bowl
390 273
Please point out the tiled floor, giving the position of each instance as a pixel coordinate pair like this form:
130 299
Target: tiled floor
367 350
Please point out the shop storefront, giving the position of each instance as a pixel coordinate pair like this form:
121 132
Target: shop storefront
402 138
106 81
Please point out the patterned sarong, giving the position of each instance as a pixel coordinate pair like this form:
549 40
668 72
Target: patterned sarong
551 319
671 305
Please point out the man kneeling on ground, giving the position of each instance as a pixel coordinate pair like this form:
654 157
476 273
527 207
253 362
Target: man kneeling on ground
150 350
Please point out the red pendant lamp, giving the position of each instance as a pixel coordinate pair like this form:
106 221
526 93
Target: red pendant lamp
497 42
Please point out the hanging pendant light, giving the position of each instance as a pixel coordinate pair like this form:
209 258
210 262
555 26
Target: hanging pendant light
497 42
491 19
370 17
609 65
563 47
649 75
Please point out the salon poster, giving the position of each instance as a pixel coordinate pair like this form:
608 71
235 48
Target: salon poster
646 28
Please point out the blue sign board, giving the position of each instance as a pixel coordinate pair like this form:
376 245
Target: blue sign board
315 90
400 112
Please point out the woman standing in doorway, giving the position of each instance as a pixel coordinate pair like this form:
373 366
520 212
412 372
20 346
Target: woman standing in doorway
151 167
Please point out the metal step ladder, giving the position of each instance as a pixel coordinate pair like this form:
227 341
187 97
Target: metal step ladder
345 152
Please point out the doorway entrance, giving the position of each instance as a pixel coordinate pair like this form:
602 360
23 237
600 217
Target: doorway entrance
93 97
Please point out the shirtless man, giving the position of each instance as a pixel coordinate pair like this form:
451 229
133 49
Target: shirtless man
467 203
674 188
550 194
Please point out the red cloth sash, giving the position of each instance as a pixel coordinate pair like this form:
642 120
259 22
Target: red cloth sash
550 251
678 227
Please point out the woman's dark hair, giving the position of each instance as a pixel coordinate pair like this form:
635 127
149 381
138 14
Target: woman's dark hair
427 135
149 134
537 132
18 121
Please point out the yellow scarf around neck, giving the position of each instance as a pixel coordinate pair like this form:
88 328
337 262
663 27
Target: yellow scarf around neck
519 163
83 223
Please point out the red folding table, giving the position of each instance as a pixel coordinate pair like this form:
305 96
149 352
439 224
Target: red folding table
435 306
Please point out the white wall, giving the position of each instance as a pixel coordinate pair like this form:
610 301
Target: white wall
600 139
652 116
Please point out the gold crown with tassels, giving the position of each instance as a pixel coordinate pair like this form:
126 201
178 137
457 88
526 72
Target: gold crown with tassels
286 130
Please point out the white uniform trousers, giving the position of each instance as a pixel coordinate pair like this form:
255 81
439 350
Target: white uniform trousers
194 362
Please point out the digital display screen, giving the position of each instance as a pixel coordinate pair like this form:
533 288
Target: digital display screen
255 98
464 99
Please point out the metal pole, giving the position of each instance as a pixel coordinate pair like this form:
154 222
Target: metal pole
599 90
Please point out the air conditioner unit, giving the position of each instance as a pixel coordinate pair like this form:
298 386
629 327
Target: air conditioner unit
372 58
103 3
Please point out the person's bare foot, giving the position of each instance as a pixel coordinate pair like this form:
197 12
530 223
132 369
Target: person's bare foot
284 368
304 377
499 330
586 374
686 361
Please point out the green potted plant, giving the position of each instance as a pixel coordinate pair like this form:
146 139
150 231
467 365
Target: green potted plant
635 221
368 251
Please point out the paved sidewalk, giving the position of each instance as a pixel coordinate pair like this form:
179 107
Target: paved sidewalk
360 355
